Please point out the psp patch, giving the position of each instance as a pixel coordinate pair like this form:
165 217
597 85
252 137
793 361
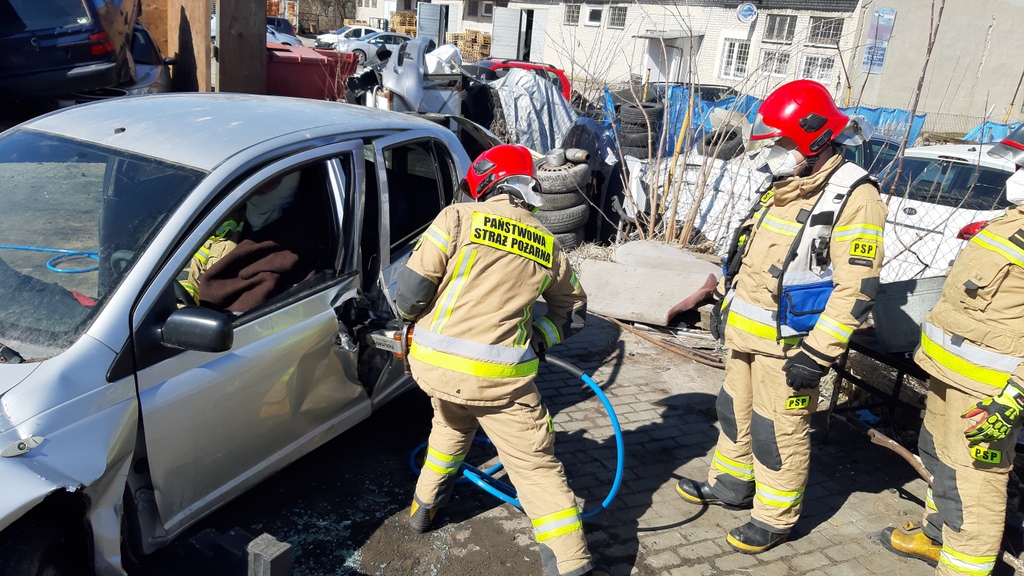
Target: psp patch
864 249
797 402
511 236
987 456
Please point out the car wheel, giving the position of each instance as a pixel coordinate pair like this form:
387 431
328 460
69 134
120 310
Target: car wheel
45 542
641 113
568 177
561 201
559 221
360 57
570 240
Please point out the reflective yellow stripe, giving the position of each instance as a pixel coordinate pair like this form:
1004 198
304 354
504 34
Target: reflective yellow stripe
778 498
967 564
472 367
548 329
780 226
962 367
574 281
521 332
929 502
832 326
463 266
203 255
441 463
191 290
1001 246
731 467
557 524
756 328
855 231
438 237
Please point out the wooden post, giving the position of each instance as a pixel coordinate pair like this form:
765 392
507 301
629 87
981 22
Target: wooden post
188 37
241 46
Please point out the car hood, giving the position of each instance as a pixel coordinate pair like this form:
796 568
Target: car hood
13 374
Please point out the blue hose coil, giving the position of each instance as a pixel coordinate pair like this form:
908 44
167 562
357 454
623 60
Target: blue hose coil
486 482
61 256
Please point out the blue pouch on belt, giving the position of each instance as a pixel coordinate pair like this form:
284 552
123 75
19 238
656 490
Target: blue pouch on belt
802 304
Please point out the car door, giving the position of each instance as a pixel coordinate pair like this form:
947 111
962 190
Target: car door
416 177
217 423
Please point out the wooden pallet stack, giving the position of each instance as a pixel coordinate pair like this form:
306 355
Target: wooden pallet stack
473 45
403 23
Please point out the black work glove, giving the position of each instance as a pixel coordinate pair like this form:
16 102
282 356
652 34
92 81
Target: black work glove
802 372
539 346
715 324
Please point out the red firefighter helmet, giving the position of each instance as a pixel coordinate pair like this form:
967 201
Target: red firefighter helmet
505 165
802 111
1011 147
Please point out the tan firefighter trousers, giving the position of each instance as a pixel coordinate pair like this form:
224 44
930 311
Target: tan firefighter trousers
965 508
524 436
764 448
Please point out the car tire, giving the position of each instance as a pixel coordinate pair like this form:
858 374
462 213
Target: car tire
559 221
44 542
562 179
360 57
639 139
570 240
724 144
641 113
640 152
561 201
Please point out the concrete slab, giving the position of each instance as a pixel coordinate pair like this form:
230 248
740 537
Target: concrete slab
661 256
640 294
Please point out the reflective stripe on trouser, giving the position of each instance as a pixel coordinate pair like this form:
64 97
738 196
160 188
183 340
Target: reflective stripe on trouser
525 445
772 433
759 322
968 487
966 359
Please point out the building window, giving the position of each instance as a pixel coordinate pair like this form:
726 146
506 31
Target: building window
774 62
572 14
819 67
735 55
617 17
472 8
780 28
487 9
594 16
408 6
825 30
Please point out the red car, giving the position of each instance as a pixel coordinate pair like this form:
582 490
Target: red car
493 69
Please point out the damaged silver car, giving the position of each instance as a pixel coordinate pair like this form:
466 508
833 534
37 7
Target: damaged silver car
129 411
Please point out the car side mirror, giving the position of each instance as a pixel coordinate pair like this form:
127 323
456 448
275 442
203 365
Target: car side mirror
199 329
171 60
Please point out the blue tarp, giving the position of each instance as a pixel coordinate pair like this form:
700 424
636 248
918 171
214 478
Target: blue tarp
891 122
990 132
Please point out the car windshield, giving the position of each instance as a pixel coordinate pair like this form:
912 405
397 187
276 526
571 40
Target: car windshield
25 15
74 217
948 183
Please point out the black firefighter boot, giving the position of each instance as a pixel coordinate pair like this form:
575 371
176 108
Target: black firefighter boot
753 539
421 515
700 493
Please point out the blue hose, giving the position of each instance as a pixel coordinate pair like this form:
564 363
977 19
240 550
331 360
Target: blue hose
61 256
485 481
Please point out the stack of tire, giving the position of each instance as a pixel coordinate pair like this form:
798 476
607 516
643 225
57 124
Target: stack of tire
563 188
639 123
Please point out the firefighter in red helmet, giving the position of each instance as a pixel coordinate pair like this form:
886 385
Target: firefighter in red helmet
801 275
470 287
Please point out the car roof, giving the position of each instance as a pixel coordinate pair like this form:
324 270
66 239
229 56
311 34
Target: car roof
970 153
523 63
203 130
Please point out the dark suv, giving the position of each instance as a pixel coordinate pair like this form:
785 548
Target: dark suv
282 25
56 47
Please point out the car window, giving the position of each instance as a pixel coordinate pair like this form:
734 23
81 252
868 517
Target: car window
501 72
948 183
144 50
414 190
74 217
18 17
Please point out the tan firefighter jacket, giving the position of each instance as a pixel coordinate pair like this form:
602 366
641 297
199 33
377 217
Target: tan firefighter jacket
855 250
974 337
223 240
471 285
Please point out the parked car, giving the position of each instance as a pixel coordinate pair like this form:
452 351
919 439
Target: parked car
152 69
365 48
942 197
50 48
273 36
281 25
329 39
129 416
492 69
874 154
